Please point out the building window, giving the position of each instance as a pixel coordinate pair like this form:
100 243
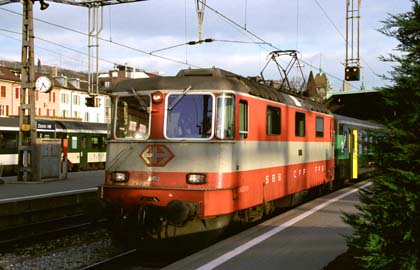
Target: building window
300 124
319 126
273 120
17 92
243 119
39 111
97 102
64 98
4 110
76 100
76 114
64 113
3 91
86 117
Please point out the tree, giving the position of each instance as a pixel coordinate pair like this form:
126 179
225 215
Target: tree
387 226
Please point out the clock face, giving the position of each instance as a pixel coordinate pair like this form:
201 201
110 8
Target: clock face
43 84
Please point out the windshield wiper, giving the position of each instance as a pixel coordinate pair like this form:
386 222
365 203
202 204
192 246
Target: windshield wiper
178 99
143 104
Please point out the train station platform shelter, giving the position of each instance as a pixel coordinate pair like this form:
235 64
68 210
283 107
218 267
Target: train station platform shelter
361 104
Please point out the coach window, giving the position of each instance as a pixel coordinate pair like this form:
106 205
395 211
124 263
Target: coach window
225 124
8 140
300 124
273 120
74 142
132 117
243 119
319 127
96 142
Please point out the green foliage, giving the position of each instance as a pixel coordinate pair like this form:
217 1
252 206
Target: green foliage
387 225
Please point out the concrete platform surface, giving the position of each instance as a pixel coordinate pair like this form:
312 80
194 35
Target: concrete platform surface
307 237
12 190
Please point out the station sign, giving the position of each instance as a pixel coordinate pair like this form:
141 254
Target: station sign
48 125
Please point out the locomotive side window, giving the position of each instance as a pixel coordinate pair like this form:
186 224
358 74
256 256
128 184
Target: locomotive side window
189 116
319 127
300 124
243 119
132 117
225 121
273 120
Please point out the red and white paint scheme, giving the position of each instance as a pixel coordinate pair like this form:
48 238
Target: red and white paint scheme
197 151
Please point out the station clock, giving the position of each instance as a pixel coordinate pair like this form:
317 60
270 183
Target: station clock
43 84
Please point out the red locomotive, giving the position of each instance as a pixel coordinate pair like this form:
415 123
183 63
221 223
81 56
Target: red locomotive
195 152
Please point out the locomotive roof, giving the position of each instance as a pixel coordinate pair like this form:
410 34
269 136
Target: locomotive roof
218 79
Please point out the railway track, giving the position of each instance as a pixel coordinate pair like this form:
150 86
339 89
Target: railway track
111 262
46 230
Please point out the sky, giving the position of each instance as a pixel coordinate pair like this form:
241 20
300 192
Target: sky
136 34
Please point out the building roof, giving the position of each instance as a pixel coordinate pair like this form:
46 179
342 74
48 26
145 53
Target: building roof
8 74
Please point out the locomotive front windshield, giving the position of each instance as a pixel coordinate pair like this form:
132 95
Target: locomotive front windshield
189 116
132 118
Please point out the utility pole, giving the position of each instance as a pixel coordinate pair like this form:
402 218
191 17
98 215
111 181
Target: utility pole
27 123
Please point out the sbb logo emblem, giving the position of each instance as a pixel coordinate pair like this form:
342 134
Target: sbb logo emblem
156 155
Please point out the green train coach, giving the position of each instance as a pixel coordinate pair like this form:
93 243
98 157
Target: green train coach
352 151
85 142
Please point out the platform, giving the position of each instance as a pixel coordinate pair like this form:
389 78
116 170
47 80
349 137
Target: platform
12 190
307 237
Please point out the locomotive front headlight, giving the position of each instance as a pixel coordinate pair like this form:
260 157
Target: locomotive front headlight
196 178
119 176
157 97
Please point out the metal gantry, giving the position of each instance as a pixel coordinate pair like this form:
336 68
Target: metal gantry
352 64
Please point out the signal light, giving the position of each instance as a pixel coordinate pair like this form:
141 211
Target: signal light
90 102
352 73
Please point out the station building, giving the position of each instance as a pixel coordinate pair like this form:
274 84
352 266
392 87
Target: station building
67 99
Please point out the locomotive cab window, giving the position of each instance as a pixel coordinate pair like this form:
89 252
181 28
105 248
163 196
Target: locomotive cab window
189 116
319 127
300 124
225 121
132 119
273 120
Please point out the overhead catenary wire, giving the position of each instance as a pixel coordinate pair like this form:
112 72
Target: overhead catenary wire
109 41
206 40
231 21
